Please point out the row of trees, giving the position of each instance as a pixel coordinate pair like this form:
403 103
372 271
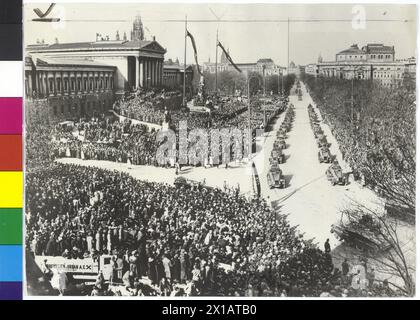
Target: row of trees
229 82
375 127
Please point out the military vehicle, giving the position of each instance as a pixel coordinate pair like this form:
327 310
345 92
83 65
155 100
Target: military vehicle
360 233
317 130
279 144
281 134
335 174
275 177
400 211
277 157
324 155
321 140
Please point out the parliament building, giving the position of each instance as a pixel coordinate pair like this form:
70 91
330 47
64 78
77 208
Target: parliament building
81 78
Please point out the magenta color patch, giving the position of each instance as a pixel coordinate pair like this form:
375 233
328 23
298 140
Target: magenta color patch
11 115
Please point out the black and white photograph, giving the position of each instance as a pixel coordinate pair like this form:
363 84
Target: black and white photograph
219 150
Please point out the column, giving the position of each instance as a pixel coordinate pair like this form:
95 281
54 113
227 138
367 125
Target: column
153 72
156 73
54 83
30 84
47 84
147 74
141 73
38 84
150 74
137 82
160 72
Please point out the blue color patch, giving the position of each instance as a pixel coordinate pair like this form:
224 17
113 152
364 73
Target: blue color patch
11 263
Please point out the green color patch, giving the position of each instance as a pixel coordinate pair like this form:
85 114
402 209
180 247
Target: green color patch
11 226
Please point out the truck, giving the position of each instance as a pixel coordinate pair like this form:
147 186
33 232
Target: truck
279 144
83 270
277 157
321 140
335 174
324 155
275 178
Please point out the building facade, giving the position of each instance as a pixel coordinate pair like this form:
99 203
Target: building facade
71 89
173 75
138 62
373 61
262 66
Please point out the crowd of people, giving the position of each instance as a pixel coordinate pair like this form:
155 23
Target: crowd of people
163 239
105 139
129 141
170 240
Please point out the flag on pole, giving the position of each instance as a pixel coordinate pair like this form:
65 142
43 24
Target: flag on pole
195 51
257 179
228 57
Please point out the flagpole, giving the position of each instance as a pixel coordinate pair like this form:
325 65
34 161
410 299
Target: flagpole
184 100
217 45
288 43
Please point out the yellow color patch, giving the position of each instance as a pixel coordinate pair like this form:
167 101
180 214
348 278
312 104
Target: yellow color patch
11 189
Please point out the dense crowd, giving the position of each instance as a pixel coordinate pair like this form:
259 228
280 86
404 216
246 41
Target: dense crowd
128 141
104 139
148 106
168 240
163 239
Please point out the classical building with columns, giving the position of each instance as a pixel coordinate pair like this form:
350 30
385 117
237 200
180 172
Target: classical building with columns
139 63
80 78
67 89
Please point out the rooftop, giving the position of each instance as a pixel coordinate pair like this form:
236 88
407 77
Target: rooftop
40 60
98 45
354 49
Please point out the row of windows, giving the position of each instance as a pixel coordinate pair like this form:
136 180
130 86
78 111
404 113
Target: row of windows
372 56
386 75
380 56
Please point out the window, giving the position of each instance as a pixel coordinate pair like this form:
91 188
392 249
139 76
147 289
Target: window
91 84
66 85
58 85
62 109
55 110
72 84
85 85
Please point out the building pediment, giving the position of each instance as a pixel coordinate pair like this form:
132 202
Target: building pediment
154 46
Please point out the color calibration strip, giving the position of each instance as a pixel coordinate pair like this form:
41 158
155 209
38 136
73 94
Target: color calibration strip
11 175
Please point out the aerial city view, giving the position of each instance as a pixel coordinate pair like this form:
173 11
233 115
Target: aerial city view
220 150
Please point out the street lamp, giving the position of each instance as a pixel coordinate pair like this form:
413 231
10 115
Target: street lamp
249 113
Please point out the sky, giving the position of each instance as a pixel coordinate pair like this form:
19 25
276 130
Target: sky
249 31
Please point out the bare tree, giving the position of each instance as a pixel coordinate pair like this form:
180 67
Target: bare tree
383 243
